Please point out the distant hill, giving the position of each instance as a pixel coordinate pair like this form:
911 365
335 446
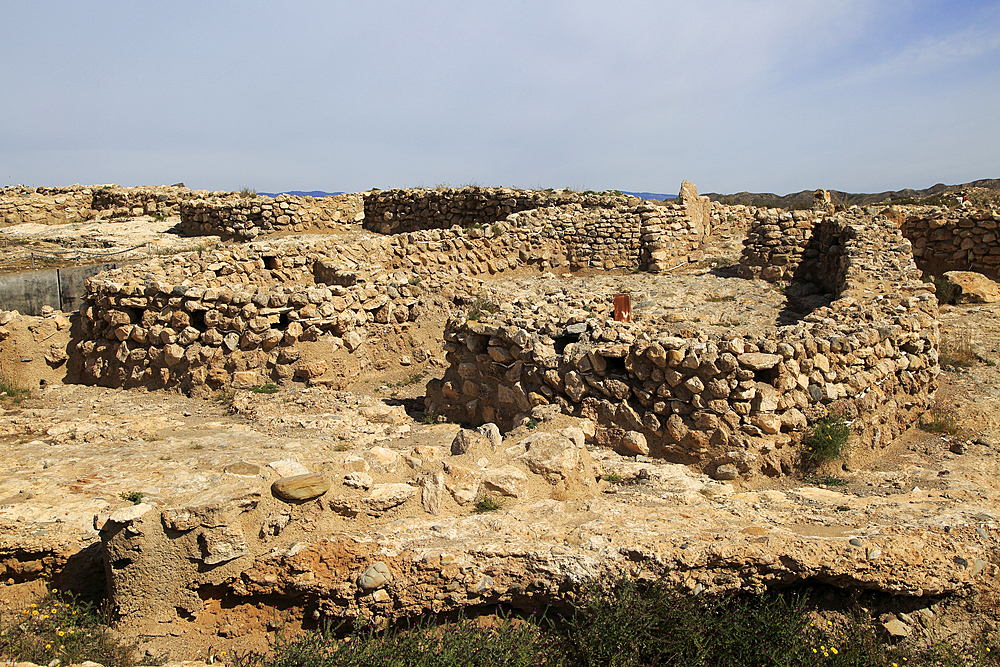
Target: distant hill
804 199
321 193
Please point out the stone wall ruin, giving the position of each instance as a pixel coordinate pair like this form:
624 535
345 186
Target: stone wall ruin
741 397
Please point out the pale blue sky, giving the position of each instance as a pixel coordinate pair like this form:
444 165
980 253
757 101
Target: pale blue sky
778 96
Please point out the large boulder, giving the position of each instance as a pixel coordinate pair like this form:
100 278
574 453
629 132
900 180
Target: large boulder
973 287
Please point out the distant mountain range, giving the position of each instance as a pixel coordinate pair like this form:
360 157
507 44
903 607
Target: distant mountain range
650 195
804 199
301 193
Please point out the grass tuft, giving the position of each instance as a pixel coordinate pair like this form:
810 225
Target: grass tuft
487 502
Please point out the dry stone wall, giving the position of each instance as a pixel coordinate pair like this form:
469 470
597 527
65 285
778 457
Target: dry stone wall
596 230
740 399
962 239
408 210
244 218
273 311
77 203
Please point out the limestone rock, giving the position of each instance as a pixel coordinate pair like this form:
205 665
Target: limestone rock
387 496
222 544
974 287
726 471
300 487
375 576
466 440
635 443
461 482
383 458
431 487
288 467
508 481
358 480
897 628
758 361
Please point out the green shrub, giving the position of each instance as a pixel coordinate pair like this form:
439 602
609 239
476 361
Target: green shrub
625 622
506 641
134 497
487 502
269 388
939 421
826 440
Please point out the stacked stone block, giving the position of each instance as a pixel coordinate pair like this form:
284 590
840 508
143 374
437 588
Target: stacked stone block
408 210
962 239
242 218
241 314
741 398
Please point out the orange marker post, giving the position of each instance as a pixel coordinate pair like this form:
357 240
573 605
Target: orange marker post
623 308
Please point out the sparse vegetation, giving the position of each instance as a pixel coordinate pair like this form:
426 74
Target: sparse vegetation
269 388
612 477
625 622
410 379
487 502
11 390
721 299
480 306
532 423
826 480
937 420
956 350
248 193
826 440
946 291
134 497
58 628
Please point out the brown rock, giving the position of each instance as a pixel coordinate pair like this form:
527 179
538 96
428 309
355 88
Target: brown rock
973 287
300 487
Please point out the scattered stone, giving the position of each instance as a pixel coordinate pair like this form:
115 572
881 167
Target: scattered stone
358 480
726 471
432 488
897 628
386 496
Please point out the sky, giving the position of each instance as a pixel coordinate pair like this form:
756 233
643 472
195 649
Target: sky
763 95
